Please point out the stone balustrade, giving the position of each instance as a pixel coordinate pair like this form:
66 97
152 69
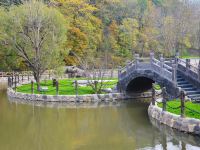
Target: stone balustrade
189 71
158 66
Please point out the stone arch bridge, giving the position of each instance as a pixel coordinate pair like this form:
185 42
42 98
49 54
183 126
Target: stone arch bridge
138 75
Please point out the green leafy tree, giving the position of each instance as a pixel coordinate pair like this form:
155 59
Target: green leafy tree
128 36
36 34
113 36
147 16
7 3
85 30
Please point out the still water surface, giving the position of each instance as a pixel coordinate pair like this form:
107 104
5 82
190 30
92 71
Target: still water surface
119 127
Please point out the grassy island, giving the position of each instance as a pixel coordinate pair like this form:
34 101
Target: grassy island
66 87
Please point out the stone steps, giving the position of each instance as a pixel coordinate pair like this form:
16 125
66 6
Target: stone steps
194 95
180 79
182 82
196 98
185 85
191 91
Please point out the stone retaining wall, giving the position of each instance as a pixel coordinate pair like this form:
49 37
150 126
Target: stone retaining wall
73 98
188 125
65 98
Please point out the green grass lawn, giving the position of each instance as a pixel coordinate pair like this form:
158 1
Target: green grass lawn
66 87
188 113
190 57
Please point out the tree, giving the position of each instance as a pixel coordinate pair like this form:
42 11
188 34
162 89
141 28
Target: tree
95 72
77 43
110 10
85 29
128 36
147 15
113 36
36 33
168 35
176 26
7 3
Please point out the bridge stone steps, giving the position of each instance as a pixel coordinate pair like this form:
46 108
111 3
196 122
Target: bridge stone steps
191 91
196 99
180 79
182 82
185 85
193 96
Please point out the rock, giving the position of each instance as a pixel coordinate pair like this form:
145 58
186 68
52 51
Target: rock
75 71
191 128
107 90
197 129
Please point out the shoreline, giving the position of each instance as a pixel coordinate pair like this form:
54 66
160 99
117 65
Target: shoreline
184 124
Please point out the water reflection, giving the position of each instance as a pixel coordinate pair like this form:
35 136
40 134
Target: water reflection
122 126
171 135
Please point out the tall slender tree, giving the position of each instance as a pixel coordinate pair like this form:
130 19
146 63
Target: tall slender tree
36 33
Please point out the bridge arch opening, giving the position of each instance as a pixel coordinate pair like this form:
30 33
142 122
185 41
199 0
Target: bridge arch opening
140 85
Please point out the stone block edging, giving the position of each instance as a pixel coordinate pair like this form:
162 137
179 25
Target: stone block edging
65 98
189 125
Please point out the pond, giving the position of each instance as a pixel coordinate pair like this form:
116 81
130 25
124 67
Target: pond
122 126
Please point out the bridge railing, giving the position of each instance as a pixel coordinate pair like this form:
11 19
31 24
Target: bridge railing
161 68
189 69
137 63
158 66
167 67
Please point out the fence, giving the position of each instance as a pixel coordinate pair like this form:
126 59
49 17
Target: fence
15 78
23 73
28 75
165 105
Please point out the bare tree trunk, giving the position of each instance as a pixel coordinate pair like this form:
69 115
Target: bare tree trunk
38 84
37 79
142 50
